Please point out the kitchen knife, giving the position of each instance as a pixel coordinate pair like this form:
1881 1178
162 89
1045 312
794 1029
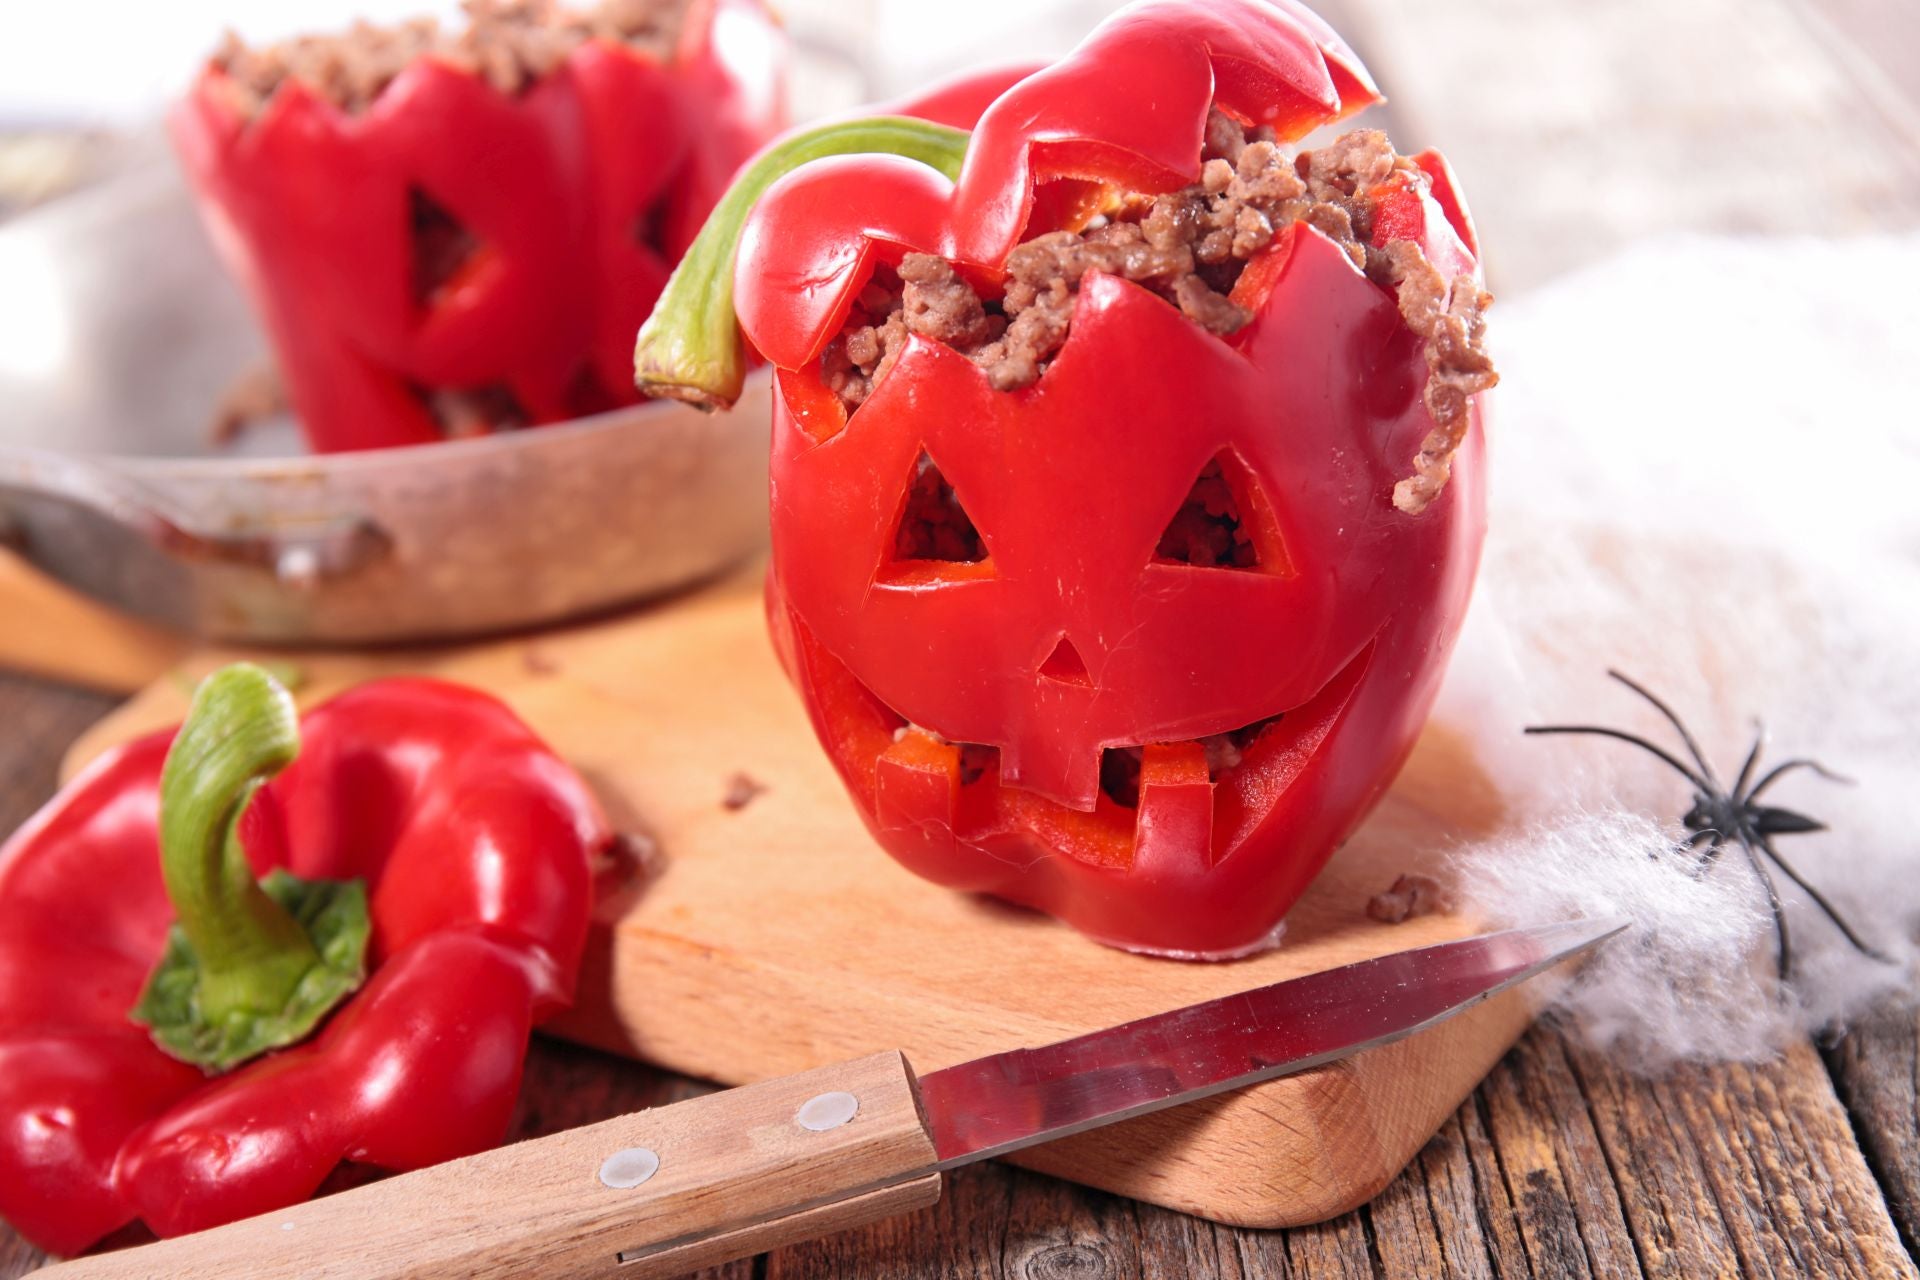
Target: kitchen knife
663 1192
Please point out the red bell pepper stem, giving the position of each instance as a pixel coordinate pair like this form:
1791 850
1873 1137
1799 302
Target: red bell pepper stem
419 809
690 347
242 729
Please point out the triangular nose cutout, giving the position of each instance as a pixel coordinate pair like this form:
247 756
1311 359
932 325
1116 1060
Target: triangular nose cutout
1066 665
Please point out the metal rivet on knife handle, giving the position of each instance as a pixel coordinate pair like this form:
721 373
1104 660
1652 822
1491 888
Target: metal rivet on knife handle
625 1169
827 1111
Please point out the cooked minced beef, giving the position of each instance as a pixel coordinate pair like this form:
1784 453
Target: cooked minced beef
1410 896
1207 530
1188 246
1451 317
742 789
510 42
934 526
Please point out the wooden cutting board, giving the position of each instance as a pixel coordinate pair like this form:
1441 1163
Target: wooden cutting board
49 630
776 936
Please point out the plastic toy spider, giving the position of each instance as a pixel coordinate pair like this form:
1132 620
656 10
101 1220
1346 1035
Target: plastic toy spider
1720 816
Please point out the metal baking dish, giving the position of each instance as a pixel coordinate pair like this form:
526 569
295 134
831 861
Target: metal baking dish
118 333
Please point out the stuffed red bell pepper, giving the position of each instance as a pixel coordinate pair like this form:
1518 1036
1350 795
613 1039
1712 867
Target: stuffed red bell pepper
1125 487
417 843
449 234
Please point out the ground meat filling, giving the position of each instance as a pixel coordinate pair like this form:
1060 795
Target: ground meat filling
1450 316
511 43
1207 530
1188 246
1410 896
934 526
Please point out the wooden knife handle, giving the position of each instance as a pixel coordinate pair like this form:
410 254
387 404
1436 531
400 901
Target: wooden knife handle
738 1172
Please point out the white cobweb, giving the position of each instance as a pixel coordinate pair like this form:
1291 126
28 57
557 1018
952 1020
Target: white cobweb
1706 473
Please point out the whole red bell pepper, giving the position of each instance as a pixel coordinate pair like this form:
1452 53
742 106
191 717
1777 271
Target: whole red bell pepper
574 198
423 814
1159 748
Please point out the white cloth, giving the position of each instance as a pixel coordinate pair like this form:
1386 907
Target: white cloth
1704 457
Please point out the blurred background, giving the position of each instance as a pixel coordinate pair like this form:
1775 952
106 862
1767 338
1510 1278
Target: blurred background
1575 126
1581 132
1712 115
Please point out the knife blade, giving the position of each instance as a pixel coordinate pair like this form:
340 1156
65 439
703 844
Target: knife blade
663 1192
998 1104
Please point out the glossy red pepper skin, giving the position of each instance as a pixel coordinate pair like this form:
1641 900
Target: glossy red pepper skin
1346 624
310 207
474 841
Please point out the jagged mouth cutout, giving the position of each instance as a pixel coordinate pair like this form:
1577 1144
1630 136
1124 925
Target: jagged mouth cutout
1244 771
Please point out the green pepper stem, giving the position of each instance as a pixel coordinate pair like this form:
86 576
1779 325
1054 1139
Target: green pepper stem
690 348
241 730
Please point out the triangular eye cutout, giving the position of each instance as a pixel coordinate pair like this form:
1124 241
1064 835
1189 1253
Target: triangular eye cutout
442 246
1224 523
1066 665
933 525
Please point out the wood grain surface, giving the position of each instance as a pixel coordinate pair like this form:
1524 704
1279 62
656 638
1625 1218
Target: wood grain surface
778 913
733 1173
1576 127
1561 1164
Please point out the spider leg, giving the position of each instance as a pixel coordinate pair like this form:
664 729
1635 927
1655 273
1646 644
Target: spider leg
1783 964
1820 901
1699 782
1712 855
1753 759
1693 748
1773 775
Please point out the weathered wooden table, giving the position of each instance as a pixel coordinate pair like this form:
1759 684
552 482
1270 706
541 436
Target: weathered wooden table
1576 126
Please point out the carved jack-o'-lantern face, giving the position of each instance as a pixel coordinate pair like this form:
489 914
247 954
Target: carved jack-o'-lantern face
1128 621
454 259
1141 643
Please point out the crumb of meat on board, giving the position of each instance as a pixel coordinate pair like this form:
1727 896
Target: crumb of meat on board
742 790
1410 896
